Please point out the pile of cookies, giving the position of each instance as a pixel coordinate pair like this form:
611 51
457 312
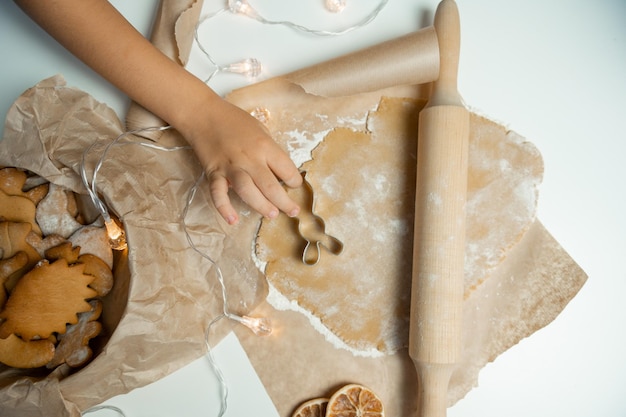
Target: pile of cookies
55 267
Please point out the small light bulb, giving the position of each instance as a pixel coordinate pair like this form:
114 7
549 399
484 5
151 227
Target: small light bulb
250 67
241 7
117 237
260 326
335 6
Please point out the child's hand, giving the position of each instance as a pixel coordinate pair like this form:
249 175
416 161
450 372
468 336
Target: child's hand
237 152
234 148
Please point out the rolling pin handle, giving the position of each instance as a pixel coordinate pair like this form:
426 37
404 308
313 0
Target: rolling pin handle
448 29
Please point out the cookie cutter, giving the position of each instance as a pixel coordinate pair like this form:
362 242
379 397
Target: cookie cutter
312 229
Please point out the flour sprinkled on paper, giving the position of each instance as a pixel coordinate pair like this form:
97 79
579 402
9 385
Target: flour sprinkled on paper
364 184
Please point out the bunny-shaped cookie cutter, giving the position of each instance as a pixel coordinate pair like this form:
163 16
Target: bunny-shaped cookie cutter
312 229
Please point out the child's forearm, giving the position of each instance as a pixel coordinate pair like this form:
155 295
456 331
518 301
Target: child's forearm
96 33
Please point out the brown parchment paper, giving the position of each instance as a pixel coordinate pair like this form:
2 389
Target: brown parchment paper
171 292
527 290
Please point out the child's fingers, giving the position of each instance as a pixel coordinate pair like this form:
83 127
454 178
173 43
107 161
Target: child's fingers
273 191
285 169
263 194
218 186
243 184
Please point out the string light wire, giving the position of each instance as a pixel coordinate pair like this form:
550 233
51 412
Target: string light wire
216 369
117 237
104 407
260 326
257 325
244 8
251 67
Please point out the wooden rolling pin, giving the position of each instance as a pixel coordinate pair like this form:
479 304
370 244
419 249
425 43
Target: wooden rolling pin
439 240
411 59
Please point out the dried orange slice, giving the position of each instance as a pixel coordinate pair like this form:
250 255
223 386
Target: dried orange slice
354 400
312 408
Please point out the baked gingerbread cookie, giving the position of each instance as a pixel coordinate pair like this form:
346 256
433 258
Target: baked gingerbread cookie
46 299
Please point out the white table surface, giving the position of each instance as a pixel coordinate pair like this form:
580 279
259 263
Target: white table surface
555 72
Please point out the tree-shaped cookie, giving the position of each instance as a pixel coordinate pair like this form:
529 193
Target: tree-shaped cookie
45 299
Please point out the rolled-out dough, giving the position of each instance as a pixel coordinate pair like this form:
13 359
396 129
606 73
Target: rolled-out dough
364 186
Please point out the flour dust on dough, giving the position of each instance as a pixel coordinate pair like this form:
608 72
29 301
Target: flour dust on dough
364 185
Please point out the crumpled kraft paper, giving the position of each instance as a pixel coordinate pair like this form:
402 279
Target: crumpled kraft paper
530 286
171 291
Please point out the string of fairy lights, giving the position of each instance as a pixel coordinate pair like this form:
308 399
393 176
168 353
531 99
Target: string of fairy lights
250 68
